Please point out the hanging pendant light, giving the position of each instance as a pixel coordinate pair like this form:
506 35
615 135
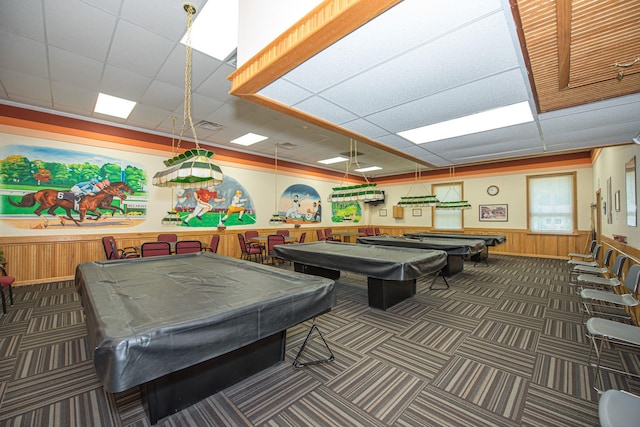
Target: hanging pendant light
366 192
194 168
276 218
418 201
456 204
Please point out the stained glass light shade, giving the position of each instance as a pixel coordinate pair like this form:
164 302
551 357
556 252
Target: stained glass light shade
192 169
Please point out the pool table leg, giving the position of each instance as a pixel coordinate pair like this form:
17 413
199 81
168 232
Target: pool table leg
387 293
178 390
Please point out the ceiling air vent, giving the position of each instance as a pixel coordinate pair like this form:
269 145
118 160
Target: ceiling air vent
208 125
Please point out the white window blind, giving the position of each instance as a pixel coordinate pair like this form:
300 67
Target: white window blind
448 219
551 203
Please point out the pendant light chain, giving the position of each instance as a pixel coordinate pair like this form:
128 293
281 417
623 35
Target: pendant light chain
191 10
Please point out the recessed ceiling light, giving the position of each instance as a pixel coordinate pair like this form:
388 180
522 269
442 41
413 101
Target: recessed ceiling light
214 31
249 139
480 122
333 160
113 106
368 169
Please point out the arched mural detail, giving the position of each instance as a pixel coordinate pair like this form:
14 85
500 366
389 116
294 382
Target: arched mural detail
227 203
300 203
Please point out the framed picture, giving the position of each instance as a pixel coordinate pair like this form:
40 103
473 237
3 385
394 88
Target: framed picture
417 212
382 212
616 201
494 212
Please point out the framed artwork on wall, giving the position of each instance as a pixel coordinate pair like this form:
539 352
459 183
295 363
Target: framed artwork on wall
496 213
382 212
616 200
417 212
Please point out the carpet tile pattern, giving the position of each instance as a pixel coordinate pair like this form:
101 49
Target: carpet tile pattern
505 345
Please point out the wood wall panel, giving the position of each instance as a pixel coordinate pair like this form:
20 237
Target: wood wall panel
42 259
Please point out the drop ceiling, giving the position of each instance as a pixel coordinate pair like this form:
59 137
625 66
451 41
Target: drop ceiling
416 63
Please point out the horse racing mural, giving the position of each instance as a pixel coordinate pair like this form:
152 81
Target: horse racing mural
43 187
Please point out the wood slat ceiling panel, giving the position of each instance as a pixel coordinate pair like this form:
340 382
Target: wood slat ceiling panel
540 29
603 33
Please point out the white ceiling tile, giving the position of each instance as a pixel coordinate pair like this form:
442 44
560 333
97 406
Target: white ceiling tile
124 83
318 107
23 18
26 88
398 30
163 96
23 55
148 116
73 99
89 35
164 17
216 84
138 50
365 128
493 92
69 68
110 6
407 77
285 92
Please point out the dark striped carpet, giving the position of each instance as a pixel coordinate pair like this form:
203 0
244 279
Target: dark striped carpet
504 346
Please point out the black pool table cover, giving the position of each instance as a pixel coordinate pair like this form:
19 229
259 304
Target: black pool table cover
381 262
148 317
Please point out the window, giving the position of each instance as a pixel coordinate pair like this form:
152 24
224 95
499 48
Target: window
448 219
551 203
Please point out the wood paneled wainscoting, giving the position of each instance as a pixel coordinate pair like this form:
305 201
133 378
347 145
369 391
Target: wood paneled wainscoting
41 259
521 242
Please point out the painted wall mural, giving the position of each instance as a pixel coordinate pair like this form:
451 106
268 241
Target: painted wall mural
299 204
226 204
346 212
43 187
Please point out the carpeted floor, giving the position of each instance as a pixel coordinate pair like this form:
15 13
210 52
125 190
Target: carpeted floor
504 346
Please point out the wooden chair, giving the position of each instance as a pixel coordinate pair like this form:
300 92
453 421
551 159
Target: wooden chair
303 236
149 249
167 237
283 232
213 244
188 246
111 250
320 235
5 283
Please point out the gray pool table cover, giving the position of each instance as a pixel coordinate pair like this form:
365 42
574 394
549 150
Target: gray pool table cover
380 262
148 317
451 246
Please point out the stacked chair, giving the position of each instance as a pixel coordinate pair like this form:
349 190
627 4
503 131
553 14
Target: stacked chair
573 263
584 256
608 301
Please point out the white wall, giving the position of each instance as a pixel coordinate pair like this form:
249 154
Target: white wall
513 192
610 164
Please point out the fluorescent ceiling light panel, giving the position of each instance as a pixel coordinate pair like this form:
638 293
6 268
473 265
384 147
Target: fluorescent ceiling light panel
369 169
214 31
113 106
333 160
249 139
480 122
